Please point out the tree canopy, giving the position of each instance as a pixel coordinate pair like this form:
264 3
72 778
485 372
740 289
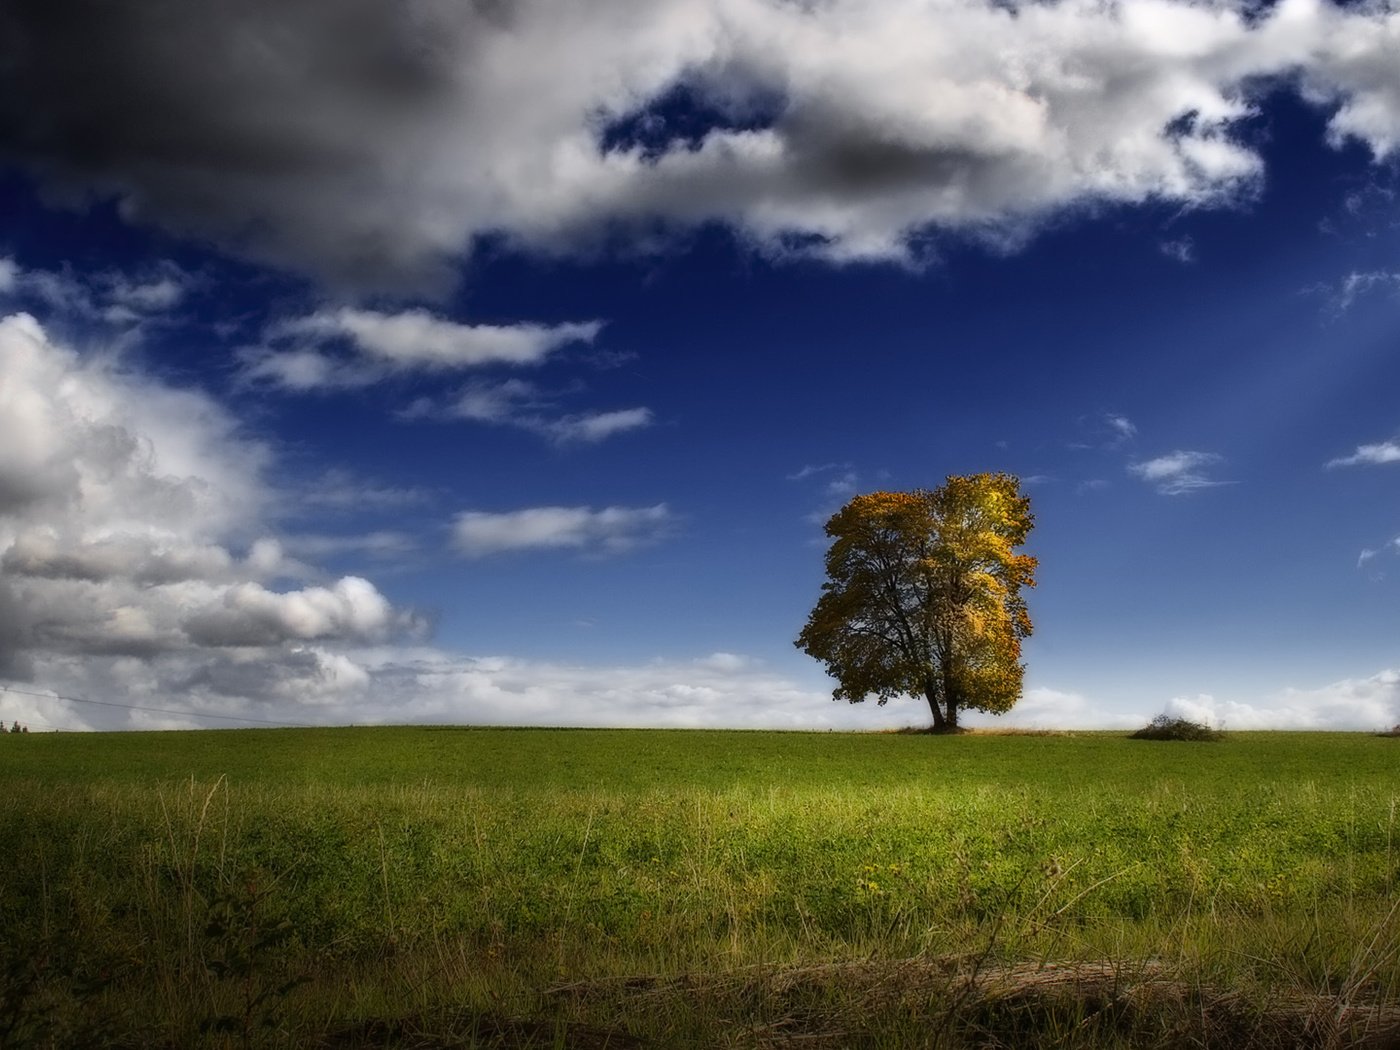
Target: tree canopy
923 596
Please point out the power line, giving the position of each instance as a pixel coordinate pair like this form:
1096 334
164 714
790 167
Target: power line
155 710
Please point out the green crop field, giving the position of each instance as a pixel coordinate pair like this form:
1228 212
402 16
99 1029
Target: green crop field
434 887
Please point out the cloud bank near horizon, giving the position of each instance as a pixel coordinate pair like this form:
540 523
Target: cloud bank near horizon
141 565
373 145
136 558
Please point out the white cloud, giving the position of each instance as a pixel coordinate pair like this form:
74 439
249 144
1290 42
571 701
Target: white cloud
595 426
375 144
1178 472
1351 704
133 543
417 339
388 344
1369 455
142 558
1357 285
1120 426
248 614
609 530
1369 554
113 298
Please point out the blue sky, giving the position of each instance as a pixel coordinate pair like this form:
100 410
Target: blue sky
439 362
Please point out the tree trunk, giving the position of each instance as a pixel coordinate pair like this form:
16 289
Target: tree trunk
931 694
952 720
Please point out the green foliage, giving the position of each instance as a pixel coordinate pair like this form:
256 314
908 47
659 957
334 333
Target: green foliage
1164 727
923 596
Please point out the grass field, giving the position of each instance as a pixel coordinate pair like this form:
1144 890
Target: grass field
433 887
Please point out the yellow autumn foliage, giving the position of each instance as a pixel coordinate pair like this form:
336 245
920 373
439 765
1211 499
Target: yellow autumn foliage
923 596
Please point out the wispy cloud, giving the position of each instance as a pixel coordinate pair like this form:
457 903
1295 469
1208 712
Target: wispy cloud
382 543
1356 286
416 339
1105 431
517 403
1178 472
1183 249
590 427
113 298
346 348
608 530
1369 554
1121 426
1369 455
811 470
340 489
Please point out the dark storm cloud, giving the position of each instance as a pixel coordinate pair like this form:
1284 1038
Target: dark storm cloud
247 122
371 143
15 659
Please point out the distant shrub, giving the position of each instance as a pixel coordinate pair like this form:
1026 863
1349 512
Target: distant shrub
1164 727
1392 731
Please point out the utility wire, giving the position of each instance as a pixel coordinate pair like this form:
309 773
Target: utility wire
155 710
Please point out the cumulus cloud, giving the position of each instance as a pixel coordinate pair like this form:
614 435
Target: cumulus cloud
1369 455
609 530
1178 472
133 555
248 614
374 144
1351 704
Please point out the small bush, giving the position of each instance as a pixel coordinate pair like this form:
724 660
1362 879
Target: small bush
1164 727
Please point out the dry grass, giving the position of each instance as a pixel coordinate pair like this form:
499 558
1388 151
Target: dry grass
962 1001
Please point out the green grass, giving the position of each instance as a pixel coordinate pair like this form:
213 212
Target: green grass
416 886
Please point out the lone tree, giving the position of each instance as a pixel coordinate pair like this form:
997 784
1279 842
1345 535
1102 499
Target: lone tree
923 597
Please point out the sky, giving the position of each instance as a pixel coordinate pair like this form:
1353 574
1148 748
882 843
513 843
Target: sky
461 361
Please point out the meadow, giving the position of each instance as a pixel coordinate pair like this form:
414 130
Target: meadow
447 887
